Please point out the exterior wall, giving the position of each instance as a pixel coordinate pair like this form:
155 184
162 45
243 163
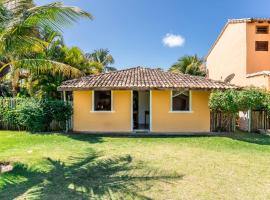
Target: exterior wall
235 53
163 120
229 55
259 81
257 60
119 120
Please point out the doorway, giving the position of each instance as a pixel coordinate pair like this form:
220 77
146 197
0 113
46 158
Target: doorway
141 110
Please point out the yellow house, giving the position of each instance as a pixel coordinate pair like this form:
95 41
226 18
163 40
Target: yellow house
141 99
241 53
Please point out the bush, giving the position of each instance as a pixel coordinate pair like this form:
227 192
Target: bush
225 101
252 98
34 115
31 115
233 101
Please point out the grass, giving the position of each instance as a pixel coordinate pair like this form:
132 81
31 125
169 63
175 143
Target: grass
59 166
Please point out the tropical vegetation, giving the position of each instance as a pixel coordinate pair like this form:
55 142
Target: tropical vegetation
192 65
233 101
34 59
34 114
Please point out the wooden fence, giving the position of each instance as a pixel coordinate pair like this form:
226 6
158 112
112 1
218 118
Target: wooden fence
12 125
259 120
222 122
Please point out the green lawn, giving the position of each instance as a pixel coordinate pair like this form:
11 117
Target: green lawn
58 166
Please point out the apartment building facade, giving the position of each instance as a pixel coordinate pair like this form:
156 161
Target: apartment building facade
241 53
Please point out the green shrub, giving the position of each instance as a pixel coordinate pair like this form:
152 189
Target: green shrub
233 101
34 115
225 101
252 98
31 115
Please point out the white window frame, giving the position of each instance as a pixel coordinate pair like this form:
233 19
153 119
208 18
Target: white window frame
101 111
181 111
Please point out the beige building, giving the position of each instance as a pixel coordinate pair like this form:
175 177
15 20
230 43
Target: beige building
241 53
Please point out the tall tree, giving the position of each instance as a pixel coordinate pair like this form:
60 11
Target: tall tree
189 65
21 26
103 59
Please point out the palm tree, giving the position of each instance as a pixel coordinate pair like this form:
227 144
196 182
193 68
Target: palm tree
189 65
102 59
21 27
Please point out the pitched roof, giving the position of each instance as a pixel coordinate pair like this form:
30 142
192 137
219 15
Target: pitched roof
235 21
141 79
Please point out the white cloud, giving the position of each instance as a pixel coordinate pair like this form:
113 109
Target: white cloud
171 40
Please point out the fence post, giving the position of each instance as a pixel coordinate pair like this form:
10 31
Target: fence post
234 122
249 120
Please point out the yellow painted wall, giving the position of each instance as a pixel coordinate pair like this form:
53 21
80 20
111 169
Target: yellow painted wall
165 121
117 121
257 60
229 55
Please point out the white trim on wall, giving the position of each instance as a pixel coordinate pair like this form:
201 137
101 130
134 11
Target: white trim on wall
150 116
183 111
131 110
101 111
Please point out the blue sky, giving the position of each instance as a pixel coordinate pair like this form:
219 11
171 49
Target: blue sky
133 30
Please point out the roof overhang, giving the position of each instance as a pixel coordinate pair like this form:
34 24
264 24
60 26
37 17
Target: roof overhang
60 89
260 73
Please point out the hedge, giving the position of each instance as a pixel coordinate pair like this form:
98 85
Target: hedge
233 101
33 114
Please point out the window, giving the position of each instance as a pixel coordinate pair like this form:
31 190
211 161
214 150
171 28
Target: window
261 46
180 101
262 29
102 101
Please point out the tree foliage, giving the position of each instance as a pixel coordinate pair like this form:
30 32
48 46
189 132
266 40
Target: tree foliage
24 42
188 65
233 101
33 114
102 58
225 101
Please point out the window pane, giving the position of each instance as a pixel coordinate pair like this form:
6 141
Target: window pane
261 45
103 100
180 101
262 29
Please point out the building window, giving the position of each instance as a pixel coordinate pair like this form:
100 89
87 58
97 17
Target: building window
261 45
180 100
262 29
102 100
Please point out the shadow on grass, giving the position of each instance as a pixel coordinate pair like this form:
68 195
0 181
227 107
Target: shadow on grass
250 137
90 177
85 138
75 136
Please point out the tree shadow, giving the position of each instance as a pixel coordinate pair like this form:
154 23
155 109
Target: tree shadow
85 137
90 177
255 138
92 139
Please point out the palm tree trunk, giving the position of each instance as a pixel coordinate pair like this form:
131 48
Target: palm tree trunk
15 82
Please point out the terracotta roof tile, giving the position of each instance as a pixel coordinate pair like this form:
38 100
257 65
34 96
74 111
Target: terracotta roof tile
142 78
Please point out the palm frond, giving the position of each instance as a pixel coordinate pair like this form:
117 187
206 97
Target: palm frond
54 15
38 66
